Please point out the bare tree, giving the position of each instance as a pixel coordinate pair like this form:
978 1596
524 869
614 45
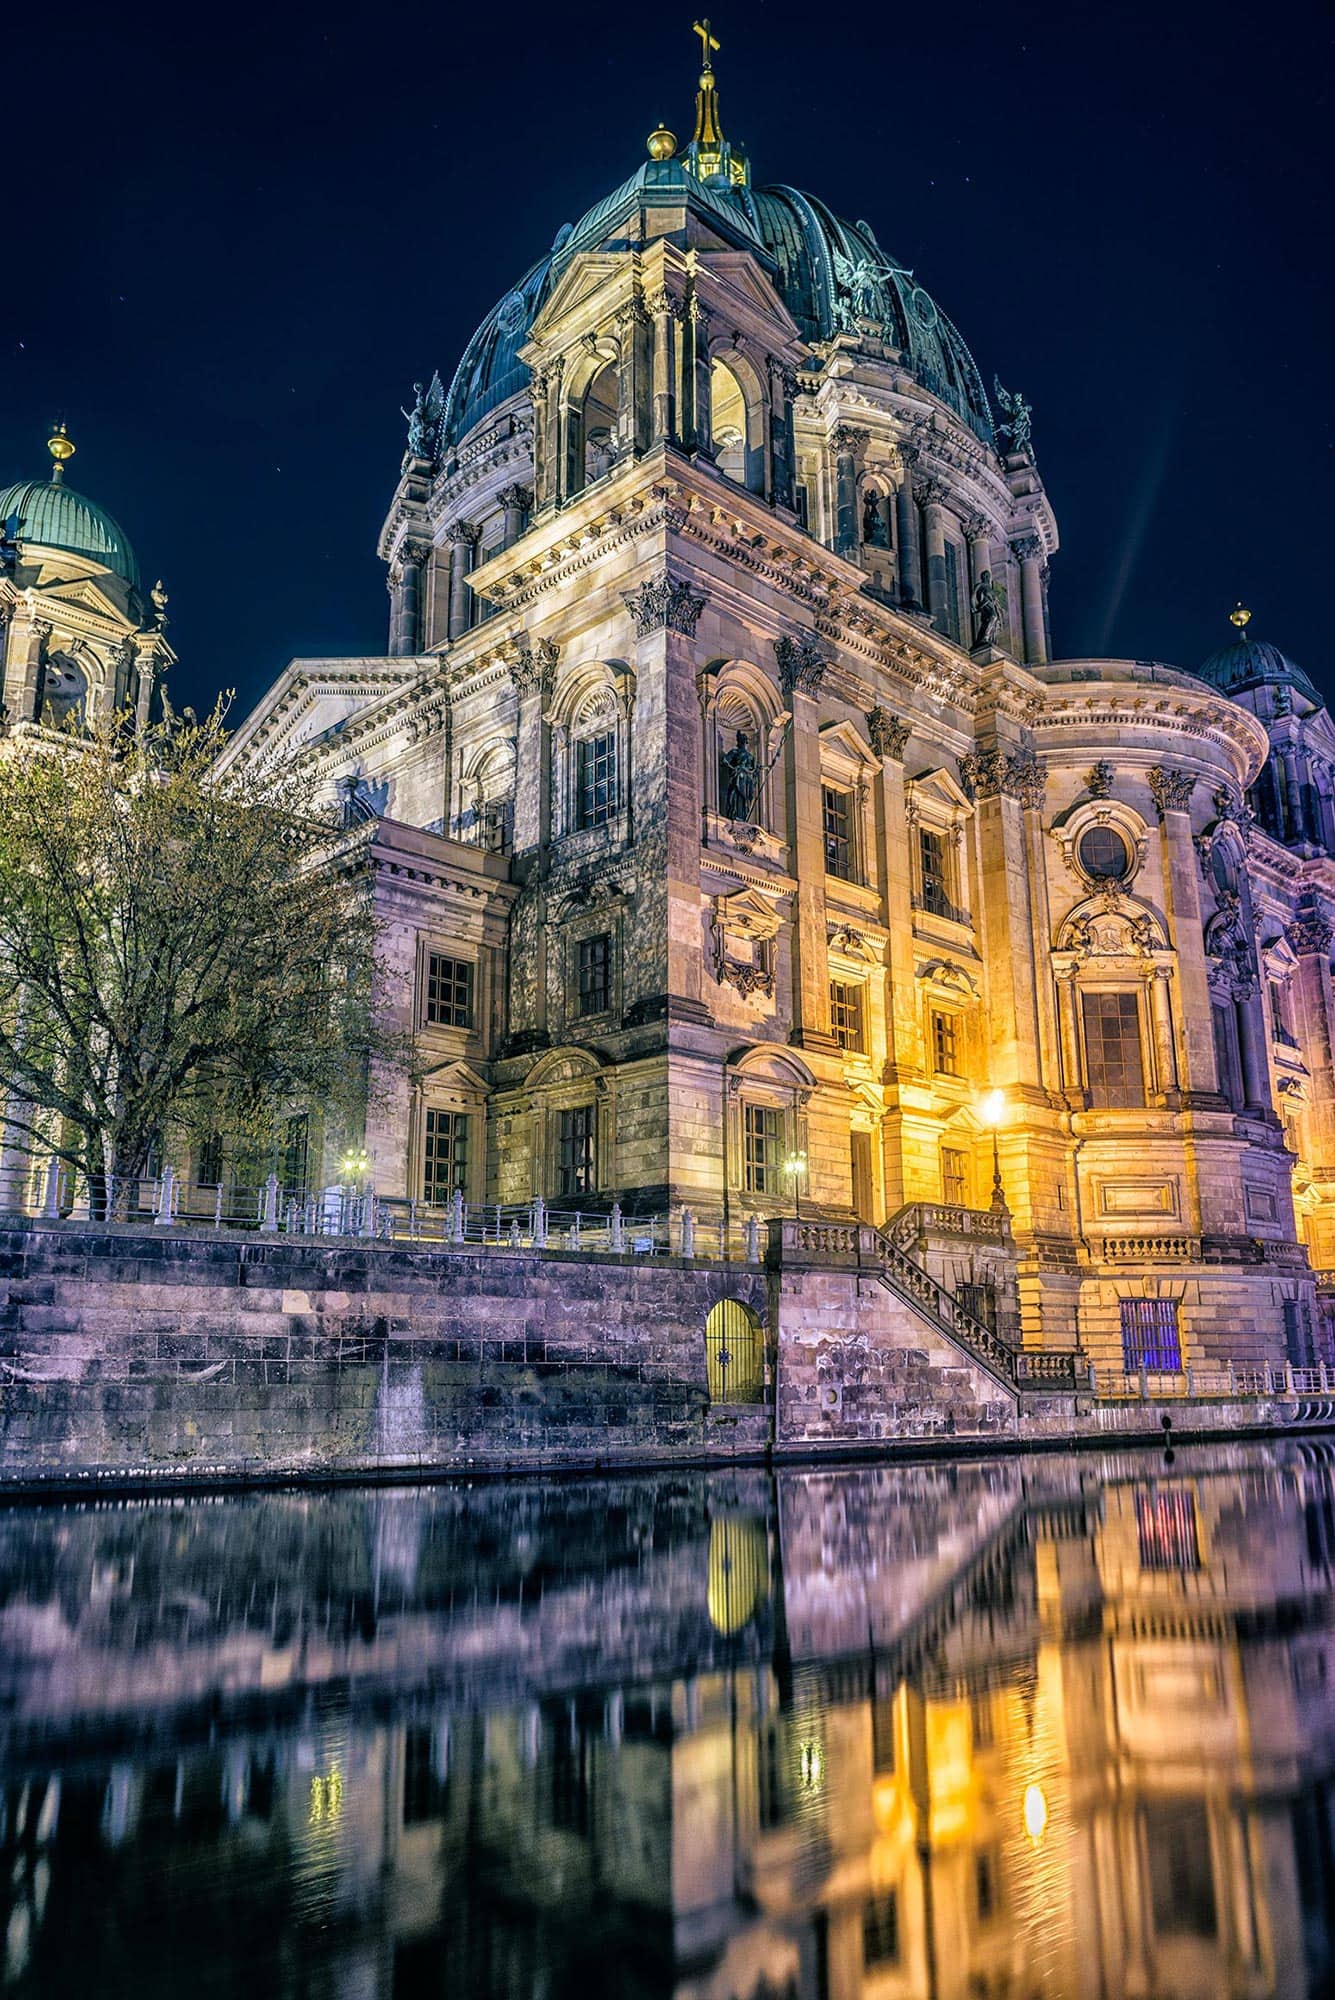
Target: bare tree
180 948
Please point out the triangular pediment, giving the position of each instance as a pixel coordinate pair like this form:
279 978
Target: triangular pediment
941 789
745 277
590 274
313 701
81 593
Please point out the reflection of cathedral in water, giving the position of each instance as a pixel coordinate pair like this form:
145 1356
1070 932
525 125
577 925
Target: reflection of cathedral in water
977 1731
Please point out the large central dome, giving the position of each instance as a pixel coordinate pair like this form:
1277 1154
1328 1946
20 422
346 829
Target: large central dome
832 275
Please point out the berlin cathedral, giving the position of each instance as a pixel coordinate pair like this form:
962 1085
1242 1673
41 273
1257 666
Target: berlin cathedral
741 842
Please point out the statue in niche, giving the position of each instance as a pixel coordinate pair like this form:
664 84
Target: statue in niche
741 780
875 526
986 611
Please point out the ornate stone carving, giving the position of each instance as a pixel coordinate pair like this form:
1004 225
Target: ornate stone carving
1171 790
747 978
1027 548
632 313
664 604
851 942
1017 424
886 733
1016 776
662 305
462 534
1310 932
848 438
1232 809
802 665
1099 779
929 492
409 553
534 666
516 496
1229 947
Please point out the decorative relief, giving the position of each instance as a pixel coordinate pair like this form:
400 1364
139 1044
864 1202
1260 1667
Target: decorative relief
664 605
1017 776
802 665
533 666
849 439
1232 809
852 943
1228 946
744 926
1099 779
1027 548
1310 933
516 496
1171 790
886 733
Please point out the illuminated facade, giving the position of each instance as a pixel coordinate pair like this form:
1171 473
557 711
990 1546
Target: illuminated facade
738 833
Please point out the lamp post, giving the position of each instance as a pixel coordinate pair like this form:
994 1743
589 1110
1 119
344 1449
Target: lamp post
355 1166
992 1110
795 1166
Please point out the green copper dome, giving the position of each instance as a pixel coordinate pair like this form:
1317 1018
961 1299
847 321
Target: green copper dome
50 515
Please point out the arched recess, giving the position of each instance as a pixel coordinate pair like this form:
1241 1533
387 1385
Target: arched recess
1114 967
592 416
767 1088
738 1568
486 796
590 736
876 520
738 419
734 1353
571 1102
743 723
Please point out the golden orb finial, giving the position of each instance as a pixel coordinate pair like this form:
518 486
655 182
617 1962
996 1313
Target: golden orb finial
61 447
662 143
1239 616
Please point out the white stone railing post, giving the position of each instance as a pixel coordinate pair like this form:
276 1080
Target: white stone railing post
162 1214
574 1240
51 1205
269 1216
687 1233
752 1239
539 1224
457 1216
616 1234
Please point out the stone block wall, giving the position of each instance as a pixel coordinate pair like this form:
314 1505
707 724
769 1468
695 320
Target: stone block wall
129 1348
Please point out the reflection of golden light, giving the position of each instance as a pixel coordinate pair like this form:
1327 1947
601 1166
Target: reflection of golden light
811 1764
738 1571
1035 1812
327 1798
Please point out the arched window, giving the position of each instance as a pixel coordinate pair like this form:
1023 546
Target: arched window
737 427
734 1354
594 444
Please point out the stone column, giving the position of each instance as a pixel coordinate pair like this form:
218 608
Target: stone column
1295 805
463 541
1252 1048
405 634
888 737
665 311
1310 936
1072 1069
147 657
695 379
1029 551
848 445
27 656
1171 791
906 524
633 414
929 495
540 386
802 667
515 503
782 389
980 550
1161 1022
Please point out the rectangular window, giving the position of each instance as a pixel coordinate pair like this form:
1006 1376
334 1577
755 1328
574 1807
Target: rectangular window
934 857
445 1156
296 1153
1166 1528
209 1165
883 1737
596 779
576 1150
954 592
449 991
846 1013
494 826
836 822
954 1177
762 1141
1150 1336
880 1931
1279 1015
593 973
1112 1048
945 1045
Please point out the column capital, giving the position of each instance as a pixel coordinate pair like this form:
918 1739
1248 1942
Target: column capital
1171 790
1310 934
516 496
802 665
887 734
1027 548
662 604
462 534
533 666
848 438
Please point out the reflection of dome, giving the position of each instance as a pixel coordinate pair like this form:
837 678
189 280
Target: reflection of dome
1252 663
831 275
51 515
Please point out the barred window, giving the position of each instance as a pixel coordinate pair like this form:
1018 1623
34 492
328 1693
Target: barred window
1150 1337
449 991
880 1931
1112 1048
762 1144
594 974
596 779
954 1177
577 1150
945 1045
846 1013
445 1155
836 820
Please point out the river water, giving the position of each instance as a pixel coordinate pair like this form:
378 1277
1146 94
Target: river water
989 1729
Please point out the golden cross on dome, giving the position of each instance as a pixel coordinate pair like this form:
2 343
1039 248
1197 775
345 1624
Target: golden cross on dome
708 41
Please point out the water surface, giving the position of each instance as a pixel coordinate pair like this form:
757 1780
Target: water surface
988 1730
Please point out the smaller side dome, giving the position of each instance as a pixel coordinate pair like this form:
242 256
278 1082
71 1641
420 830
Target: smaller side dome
1249 663
53 516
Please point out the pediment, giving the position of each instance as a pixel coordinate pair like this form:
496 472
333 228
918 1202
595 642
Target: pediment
743 276
312 701
455 1075
846 738
941 789
590 273
83 594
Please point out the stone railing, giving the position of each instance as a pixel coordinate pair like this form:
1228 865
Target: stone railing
1240 1381
1151 1250
939 1218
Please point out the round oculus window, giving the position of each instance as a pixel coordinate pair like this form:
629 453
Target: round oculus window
1104 854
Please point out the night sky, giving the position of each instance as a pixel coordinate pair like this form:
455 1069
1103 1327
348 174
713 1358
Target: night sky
235 238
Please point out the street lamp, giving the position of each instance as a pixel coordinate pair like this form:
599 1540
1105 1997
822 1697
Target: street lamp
355 1166
795 1166
992 1110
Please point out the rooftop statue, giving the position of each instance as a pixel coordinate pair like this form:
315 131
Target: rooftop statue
1018 424
424 418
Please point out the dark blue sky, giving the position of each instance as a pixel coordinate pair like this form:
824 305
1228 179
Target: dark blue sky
235 239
